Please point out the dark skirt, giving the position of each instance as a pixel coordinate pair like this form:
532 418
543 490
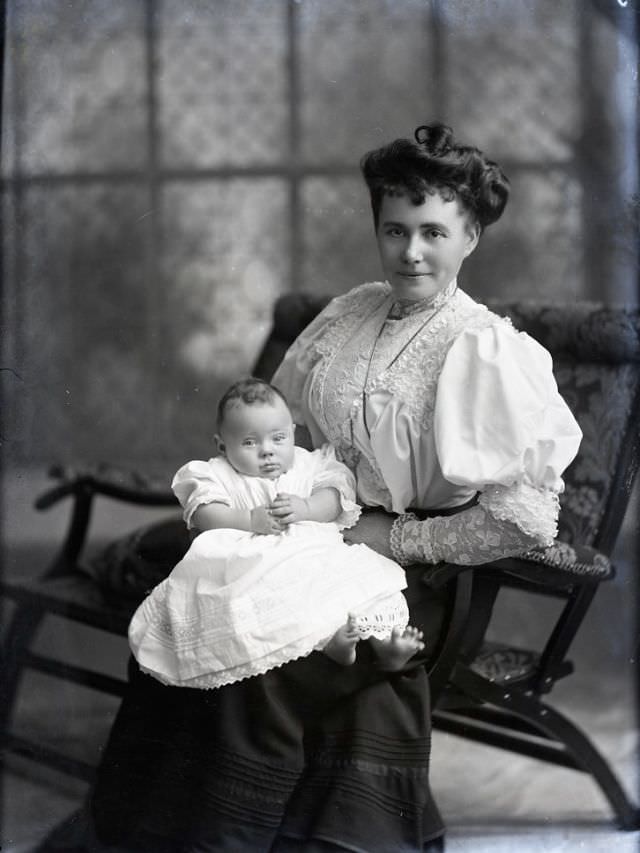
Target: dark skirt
312 755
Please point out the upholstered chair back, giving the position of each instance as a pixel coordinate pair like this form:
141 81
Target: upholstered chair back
596 354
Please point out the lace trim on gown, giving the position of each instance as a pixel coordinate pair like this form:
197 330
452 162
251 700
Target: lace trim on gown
389 613
381 623
248 670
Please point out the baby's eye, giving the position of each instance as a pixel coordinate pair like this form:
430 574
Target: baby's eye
248 442
281 436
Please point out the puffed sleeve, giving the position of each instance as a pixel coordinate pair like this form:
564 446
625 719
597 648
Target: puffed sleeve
198 483
328 472
502 428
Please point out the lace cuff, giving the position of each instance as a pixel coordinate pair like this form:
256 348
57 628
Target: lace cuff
469 538
534 511
395 539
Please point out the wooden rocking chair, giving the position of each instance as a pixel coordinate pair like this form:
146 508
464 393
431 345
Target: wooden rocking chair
492 693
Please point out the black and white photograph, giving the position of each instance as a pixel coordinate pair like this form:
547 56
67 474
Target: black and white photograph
320 426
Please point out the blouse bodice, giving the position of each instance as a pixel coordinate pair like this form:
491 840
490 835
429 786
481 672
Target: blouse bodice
431 408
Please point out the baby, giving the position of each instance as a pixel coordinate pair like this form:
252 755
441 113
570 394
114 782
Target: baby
269 578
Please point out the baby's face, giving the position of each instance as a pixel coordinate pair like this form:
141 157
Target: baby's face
257 439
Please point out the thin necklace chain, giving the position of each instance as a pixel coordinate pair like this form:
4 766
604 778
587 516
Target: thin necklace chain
436 309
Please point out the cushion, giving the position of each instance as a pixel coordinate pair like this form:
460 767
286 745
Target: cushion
503 664
130 567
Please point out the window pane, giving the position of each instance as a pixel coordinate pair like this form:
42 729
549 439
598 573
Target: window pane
222 82
80 68
81 322
513 76
365 75
226 259
340 250
535 250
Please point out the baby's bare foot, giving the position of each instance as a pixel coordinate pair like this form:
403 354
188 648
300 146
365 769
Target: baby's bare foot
395 651
342 646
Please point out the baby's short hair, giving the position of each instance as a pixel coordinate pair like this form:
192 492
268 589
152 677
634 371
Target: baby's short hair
248 391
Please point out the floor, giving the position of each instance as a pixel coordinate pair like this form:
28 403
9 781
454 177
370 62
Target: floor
491 800
495 801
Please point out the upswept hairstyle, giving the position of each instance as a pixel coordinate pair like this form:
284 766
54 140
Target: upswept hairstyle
248 391
435 163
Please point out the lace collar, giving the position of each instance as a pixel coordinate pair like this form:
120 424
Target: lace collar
401 308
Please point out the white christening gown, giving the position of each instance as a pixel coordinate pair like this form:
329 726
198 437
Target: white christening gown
240 603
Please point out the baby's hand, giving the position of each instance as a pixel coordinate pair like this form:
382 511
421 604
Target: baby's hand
290 508
263 521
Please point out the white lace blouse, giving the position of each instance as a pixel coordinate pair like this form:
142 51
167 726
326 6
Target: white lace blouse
430 404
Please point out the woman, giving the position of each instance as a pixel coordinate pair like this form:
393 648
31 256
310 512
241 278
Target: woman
453 426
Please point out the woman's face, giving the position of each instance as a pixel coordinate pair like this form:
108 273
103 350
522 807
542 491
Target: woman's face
422 246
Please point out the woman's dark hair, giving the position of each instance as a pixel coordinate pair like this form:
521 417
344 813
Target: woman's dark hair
436 163
247 391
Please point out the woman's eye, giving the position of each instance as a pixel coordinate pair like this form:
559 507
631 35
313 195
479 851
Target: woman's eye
394 232
433 233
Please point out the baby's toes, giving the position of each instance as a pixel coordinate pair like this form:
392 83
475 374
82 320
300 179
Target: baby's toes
414 637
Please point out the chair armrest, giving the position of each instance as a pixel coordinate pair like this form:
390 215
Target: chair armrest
557 567
107 480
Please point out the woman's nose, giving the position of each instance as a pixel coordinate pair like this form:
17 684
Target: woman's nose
413 251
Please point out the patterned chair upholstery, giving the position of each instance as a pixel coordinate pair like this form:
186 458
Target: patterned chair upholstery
596 355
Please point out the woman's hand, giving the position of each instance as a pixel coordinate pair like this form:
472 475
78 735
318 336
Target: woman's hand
372 529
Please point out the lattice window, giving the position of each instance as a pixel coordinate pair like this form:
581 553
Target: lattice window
170 166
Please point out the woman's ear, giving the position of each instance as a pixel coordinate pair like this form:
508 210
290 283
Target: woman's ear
473 236
219 444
